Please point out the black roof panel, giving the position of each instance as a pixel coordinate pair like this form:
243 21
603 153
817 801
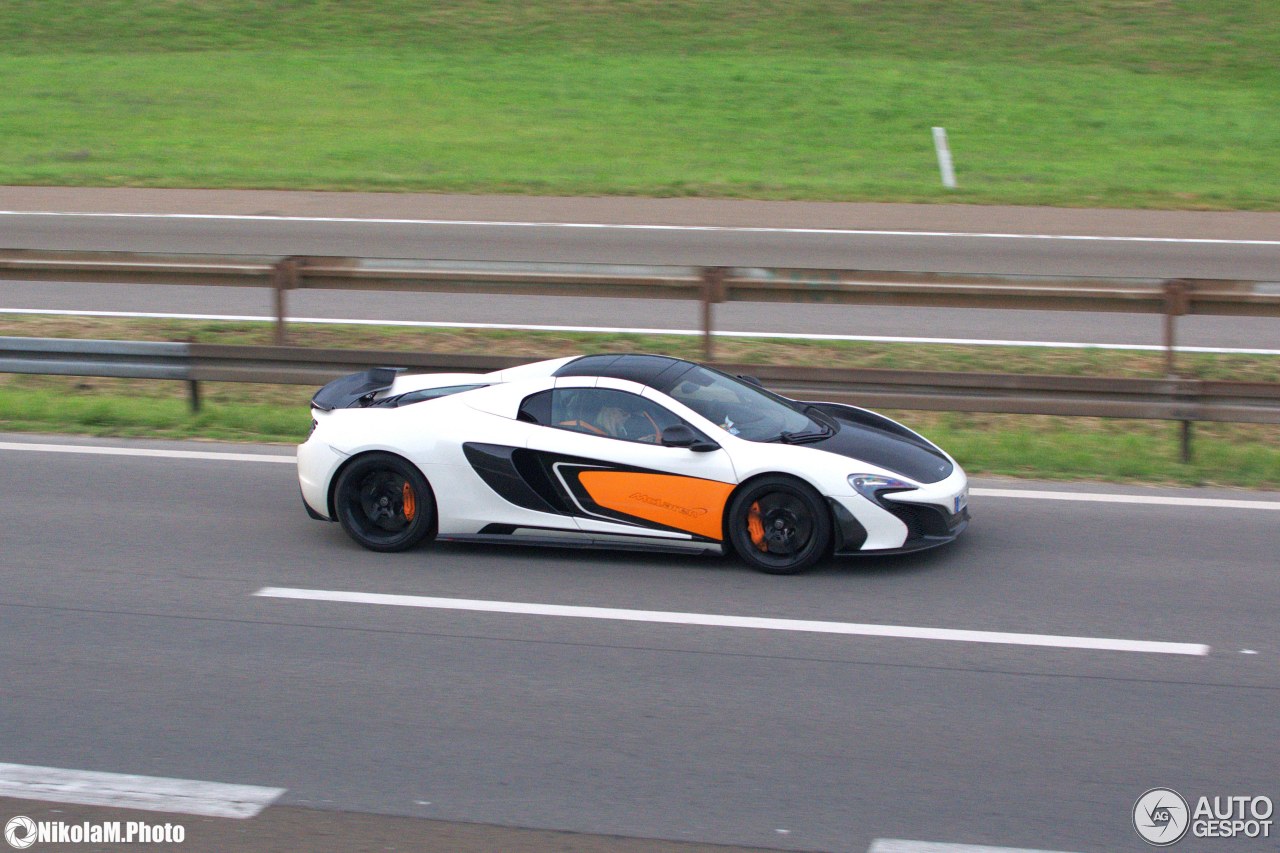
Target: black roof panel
655 370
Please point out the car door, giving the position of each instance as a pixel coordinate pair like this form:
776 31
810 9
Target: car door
600 448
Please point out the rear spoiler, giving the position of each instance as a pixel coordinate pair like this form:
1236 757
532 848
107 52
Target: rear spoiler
355 390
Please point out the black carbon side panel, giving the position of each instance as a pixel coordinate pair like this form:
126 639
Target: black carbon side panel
499 466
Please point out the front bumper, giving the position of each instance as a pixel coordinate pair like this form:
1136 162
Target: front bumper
902 521
925 529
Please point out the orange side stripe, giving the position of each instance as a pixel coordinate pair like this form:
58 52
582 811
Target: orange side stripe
685 503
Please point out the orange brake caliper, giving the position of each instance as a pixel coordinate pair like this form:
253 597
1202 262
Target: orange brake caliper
410 502
755 526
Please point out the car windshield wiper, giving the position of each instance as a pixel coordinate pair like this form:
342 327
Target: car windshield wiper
805 436
825 427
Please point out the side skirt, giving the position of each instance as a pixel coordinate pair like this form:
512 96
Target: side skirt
506 535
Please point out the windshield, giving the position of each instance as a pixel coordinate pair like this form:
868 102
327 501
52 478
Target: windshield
742 409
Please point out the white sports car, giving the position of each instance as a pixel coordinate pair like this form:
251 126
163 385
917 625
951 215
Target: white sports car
629 451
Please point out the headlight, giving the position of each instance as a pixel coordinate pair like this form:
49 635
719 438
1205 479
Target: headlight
871 485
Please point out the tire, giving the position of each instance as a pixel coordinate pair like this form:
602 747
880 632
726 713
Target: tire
384 503
778 525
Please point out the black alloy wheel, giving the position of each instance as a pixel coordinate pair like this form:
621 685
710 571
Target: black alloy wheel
384 503
779 525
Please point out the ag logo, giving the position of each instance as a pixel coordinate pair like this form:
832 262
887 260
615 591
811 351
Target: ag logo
1161 816
20 832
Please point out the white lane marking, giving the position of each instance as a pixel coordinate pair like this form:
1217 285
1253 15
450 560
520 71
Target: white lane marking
1028 494
120 790
1102 497
898 845
608 226
533 327
723 621
98 450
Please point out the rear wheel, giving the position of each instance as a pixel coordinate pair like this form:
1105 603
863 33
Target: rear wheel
779 525
384 503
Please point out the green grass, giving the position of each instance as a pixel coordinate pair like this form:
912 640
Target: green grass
138 411
1081 102
1111 450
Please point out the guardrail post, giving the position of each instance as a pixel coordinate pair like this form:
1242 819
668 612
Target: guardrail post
284 278
712 292
193 394
1177 301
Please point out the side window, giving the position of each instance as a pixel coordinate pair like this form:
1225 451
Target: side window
610 413
536 409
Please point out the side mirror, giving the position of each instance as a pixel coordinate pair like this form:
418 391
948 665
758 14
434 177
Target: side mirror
680 435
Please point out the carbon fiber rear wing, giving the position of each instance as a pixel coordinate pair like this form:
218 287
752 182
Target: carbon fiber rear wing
356 390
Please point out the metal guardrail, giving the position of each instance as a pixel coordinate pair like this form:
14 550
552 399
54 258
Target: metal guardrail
707 285
1029 394
121 359
731 284
1185 400
305 366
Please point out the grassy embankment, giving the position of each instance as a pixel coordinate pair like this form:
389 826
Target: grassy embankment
1065 448
1123 103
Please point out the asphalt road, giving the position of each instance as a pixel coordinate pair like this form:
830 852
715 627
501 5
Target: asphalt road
131 641
652 231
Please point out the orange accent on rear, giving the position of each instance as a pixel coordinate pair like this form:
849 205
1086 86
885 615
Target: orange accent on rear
755 527
685 503
410 502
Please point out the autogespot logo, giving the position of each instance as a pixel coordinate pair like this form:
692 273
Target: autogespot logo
1161 816
20 832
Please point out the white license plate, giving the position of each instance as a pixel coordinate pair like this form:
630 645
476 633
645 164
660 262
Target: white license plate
960 501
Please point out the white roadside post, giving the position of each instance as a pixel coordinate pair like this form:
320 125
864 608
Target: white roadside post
944 157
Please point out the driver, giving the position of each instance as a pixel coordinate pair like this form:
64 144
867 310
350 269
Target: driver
584 411
611 420
631 425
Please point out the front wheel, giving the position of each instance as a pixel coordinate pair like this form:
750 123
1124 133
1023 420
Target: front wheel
779 525
384 503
